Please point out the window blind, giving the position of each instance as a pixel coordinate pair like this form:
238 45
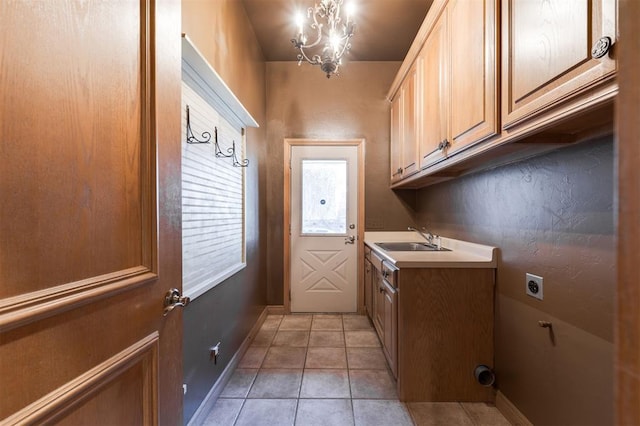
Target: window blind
213 207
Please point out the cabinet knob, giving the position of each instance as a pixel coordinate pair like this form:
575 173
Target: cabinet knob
601 47
443 144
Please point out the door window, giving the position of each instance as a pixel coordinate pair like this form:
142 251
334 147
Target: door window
324 197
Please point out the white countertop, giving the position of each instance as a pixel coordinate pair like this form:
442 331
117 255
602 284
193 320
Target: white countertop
462 255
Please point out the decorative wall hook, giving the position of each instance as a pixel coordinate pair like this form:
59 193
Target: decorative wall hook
191 138
231 152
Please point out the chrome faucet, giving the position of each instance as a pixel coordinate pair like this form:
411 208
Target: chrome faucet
424 234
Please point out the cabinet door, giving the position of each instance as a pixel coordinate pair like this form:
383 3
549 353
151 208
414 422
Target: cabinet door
434 93
368 294
390 339
378 304
473 71
547 58
396 138
410 112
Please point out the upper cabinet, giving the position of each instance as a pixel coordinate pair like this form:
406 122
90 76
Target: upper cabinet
396 140
473 76
459 79
410 118
434 121
484 73
552 50
405 113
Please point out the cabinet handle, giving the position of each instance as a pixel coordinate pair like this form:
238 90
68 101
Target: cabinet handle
601 47
398 172
442 145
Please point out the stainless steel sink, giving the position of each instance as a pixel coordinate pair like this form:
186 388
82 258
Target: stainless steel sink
410 246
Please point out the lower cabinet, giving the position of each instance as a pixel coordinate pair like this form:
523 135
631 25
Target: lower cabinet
390 319
445 330
385 309
435 326
368 294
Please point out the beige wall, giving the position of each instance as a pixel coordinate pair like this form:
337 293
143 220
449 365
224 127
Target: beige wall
303 103
222 32
552 216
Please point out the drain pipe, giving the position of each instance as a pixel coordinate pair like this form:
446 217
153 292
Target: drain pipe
484 375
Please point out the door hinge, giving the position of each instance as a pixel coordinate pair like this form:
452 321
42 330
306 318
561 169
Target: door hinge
289 295
289 229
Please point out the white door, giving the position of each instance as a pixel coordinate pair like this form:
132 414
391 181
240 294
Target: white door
324 228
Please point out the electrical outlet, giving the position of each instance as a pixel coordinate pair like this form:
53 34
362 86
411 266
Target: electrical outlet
533 286
214 351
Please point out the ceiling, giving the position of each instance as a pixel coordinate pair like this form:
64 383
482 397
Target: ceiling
385 29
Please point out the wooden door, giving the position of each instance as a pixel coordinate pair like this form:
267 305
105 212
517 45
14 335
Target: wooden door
473 72
396 138
410 116
324 228
89 212
434 93
546 52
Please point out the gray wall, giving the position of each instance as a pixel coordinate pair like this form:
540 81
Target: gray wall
552 216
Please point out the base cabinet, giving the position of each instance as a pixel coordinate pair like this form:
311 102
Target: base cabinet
390 318
368 276
384 313
435 326
445 330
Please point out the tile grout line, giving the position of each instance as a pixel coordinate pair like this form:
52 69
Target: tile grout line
240 411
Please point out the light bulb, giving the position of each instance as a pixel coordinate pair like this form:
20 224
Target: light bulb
350 9
335 42
300 23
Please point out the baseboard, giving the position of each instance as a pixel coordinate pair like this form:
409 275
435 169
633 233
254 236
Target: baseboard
213 394
510 411
275 310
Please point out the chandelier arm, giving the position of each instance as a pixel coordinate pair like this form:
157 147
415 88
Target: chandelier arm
318 38
315 59
316 26
345 47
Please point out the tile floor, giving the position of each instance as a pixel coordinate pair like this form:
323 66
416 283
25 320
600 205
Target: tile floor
327 370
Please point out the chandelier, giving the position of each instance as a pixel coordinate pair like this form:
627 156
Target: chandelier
329 37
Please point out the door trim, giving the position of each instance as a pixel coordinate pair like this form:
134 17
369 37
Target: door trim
288 144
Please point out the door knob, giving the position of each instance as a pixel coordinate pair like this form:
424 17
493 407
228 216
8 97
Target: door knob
173 299
350 239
